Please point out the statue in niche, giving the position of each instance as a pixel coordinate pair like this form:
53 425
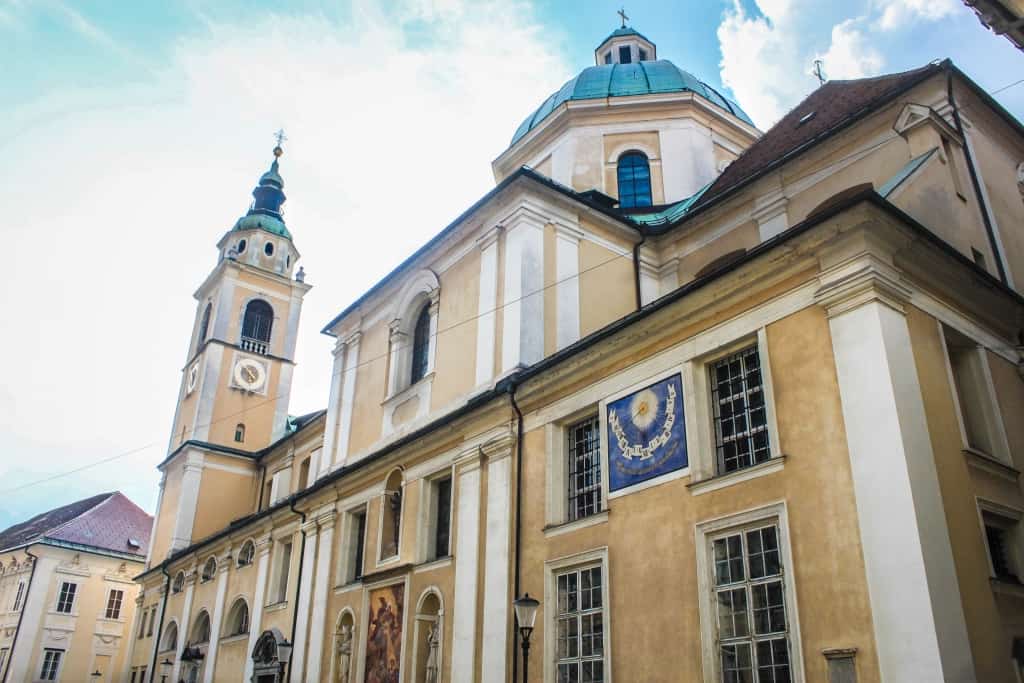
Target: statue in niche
395 502
433 653
344 652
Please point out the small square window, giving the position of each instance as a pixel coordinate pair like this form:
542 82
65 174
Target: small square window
1002 544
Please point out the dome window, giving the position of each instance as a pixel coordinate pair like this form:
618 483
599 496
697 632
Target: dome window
642 54
608 57
241 246
268 248
634 176
624 54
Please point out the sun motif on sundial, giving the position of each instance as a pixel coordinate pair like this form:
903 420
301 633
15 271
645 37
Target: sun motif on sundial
643 409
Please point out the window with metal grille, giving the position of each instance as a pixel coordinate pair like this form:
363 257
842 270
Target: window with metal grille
749 596
66 599
634 176
420 346
442 517
741 423
257 324
114 601
584 468
51 664
579 624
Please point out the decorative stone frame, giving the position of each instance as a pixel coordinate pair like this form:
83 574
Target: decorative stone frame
364 622
1007 516
557 508
230 614
423 289
275 331
206 576
346 569
161 646
582 560
335 675
426 523
700 441
252 560
420 619
705 532
50 643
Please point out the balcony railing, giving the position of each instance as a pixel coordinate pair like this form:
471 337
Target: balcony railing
255 346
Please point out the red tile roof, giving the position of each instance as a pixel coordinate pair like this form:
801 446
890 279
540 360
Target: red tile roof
108 521
829 108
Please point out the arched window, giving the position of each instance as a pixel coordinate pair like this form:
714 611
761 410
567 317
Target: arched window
246 554
201 629
209 570
256 325
238 618
420 346
170 640
634 173
178 583
240 433
204 326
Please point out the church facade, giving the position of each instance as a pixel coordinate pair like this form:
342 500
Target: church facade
732 405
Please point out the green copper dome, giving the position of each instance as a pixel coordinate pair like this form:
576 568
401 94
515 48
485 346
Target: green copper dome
620 80
265 212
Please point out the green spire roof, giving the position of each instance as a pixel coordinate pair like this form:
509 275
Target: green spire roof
265 212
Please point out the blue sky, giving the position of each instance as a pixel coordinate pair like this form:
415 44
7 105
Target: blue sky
132 134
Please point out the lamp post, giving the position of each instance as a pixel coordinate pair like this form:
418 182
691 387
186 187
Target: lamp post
284 655
526 615
165 670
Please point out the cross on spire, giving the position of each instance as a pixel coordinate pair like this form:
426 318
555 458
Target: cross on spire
622 15
280 137
819 72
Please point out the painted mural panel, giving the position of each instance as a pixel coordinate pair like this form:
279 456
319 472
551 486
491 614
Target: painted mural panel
646 434
384 634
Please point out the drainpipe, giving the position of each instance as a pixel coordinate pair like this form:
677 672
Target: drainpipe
975 180
519 525
24 601
636 270
163 617
298 585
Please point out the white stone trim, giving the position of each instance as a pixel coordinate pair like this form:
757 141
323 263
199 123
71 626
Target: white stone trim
325 546
704 533
1010 515
188 499
426 523
308 550
497 591
487 305
466 563
918 619
567 285
589 558
522 341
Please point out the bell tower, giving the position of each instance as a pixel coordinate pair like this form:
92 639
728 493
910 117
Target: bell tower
237 377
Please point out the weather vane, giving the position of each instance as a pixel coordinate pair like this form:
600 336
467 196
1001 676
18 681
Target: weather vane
280 137
622 14
819 72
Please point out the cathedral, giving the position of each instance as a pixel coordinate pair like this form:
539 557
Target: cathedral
677 400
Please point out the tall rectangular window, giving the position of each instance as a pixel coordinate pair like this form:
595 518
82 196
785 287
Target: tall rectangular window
142 675
3 658
442 517
152 618
740 416
284 565
51 664
584 468
142 624
135 672
624 55
579 626
18 596
66 598
114 601
359 527
979 412
749 597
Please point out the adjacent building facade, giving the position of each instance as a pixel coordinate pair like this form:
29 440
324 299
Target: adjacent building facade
733 405
67 590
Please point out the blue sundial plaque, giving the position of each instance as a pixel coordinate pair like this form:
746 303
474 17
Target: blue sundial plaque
646 434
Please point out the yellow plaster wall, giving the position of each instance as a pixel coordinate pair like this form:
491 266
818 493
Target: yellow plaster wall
165 516
223 497
650 534
371 387
617 144
454 358
744 236
607 288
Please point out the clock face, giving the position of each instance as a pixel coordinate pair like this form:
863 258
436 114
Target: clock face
646 434
249 374
193 379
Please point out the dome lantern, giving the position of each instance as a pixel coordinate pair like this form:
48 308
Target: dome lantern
625 45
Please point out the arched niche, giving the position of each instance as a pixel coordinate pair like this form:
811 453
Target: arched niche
345 648
391 502
428 637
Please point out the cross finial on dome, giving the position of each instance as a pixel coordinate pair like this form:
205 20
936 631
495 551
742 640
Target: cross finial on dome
622 15
280 137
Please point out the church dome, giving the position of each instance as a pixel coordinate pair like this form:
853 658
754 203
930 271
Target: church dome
620 80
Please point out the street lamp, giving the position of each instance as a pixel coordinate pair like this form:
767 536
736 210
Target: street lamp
96 675
165 670
284 655
526 615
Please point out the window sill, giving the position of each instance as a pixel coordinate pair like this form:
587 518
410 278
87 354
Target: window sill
277 606
721 481
354 584
408 390
436 563
235 638
568 527
984 461
1005 587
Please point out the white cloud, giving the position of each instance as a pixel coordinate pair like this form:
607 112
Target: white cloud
850 55
114 199
897 14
